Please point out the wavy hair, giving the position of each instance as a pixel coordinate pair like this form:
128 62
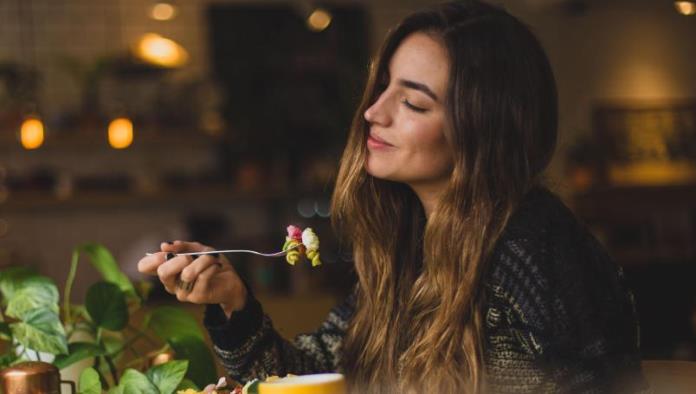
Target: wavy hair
418 322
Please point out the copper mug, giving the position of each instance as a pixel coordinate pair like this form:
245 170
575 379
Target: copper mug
32 377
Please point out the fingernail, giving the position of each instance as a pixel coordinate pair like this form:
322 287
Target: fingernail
170 256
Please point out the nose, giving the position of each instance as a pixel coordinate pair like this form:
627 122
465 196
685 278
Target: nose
378 112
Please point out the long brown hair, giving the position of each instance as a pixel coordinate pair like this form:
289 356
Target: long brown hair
418 322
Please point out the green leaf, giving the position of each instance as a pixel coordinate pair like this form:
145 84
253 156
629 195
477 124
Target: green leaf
5 332
167 376
106 305
41 330
89 382
32 294
201 365
112 341
253 387
11 277
78 351
134 382
169 321
15 278
104 262
187 384
7 359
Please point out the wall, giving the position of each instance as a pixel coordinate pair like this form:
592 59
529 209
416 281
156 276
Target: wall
617 49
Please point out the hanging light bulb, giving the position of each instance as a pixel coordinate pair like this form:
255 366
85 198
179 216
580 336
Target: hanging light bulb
31 133
685 7
318 20
163 11
120 133
155 49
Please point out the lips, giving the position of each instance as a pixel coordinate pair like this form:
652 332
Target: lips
378 139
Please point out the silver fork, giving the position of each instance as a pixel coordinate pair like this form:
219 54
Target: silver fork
276 254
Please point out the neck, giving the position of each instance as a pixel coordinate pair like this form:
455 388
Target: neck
429 194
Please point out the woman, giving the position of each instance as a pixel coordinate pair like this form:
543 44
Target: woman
472 276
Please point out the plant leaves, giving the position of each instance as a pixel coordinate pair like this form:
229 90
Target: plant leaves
7 359
31 294
201 365
5 332
168 376
78 351
169 321
11 277
89 382
253 387
134 382
112 341
15 278
106 305
41 330
187 384
104 262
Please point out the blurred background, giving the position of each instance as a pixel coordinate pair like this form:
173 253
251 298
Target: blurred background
132 122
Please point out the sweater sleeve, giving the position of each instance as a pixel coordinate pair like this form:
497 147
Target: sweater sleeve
249 347
561 318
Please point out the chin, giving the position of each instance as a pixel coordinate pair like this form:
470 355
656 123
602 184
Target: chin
383 174
377 171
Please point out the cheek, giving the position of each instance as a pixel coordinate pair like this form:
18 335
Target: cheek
430 150
422 153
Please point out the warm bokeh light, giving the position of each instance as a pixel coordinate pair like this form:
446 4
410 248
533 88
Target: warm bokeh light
32 133
120 133
685 7
163 11
318 20
162 358
212 123
653 173
155 49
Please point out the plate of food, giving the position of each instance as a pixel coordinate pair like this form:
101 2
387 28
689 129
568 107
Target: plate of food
323 383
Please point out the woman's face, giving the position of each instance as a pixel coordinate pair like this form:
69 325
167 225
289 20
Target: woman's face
406 142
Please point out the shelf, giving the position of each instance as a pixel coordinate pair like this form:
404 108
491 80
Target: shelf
97 140
190 197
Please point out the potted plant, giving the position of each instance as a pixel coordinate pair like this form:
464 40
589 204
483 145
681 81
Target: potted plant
101 331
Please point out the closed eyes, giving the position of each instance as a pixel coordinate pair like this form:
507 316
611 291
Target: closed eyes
412 107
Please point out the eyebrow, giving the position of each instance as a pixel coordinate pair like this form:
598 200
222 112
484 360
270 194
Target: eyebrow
417 86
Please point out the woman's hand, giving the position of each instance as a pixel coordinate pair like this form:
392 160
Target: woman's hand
210 279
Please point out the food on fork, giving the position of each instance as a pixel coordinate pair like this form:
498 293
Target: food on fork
300 243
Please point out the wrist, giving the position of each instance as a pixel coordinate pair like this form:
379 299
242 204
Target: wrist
237 303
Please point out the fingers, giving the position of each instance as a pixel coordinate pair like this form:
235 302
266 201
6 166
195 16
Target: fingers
169 271
190 278
191 271
201 291
148 265
184 247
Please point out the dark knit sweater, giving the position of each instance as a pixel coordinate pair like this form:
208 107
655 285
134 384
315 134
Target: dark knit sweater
558 316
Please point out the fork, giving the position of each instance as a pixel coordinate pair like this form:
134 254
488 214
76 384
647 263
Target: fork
276 254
